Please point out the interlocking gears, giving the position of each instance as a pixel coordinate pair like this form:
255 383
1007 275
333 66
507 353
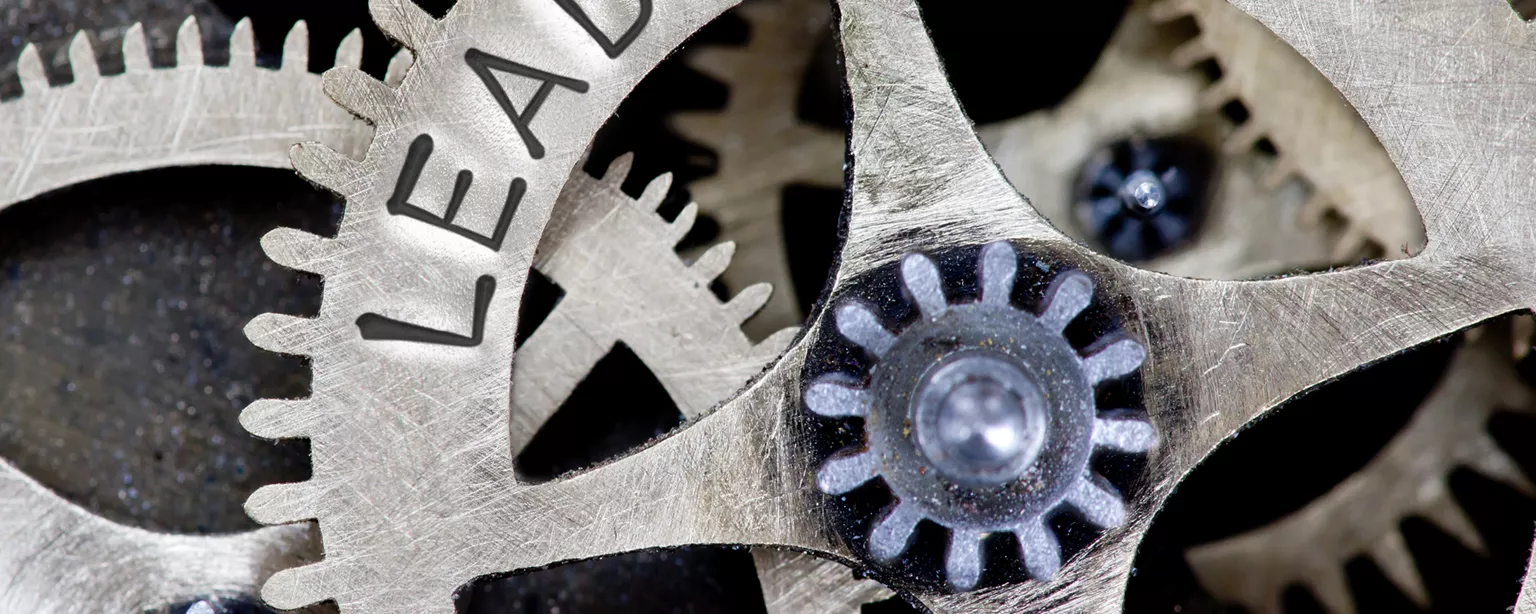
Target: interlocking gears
980 416
101 125
1360 516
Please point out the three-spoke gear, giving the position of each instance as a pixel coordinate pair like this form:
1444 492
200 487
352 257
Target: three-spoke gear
980 416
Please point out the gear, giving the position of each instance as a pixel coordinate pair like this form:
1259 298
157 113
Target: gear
97 126
1320 137
979 416
413 482
761 143
623 283
1361 515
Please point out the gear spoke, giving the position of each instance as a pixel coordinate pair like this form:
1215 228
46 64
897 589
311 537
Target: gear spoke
841 474
999 265
1097 505
1118 359
962 562
1041 551
859 325
1069 296
894 531
921 279
1124 434
834 398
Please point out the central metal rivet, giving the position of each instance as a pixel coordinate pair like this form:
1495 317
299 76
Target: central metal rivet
1144 192
980 418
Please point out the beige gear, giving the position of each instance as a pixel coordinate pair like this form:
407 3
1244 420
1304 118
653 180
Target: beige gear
1360 515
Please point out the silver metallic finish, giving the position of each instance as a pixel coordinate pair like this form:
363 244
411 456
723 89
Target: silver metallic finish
624 283
1144 192
1361 515
1005 415
57 556
796 582
227 115
412 479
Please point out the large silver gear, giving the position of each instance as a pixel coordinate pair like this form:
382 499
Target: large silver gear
412 460
58 556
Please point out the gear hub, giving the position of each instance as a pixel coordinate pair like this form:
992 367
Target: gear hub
978 416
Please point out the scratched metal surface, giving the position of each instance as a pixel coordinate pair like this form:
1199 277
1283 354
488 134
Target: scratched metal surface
431 451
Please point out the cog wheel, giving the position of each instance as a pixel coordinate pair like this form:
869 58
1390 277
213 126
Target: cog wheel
1361 515
1319 136
762 145
993 434
97 126
413 485
624 283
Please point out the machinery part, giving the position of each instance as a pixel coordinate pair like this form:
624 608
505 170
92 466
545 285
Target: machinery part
761 144
1250 224
413 481
422 283
103 125
1526 602
979 416
98 125
624 283
798 582
61 558
1141 197
50 25
1319 136
1361 515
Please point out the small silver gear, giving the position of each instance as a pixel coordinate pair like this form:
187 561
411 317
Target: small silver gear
996 433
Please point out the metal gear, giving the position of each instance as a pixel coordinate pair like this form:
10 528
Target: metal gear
59 557
413 483
761 144
1320 137
979 416
1361 515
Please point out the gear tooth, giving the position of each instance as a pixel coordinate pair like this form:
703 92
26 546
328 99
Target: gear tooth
319 163
297 249
1489 459
1218 94
712 263
398 66
1391 554
350 51
280 333
283 418
618 169
189 43
284 503
891 535
749 301
1040 550
1164 11
845 472
1244 137
1317 205
962 562
1115 360
1125 431
1353 241
29 66
1328 583
242 44
1442 510
404 21
136 50
699 127
1097 502
684 222
1284 169
654 192
361 94
294 588
1192 52
296 47
775 345
82 59
722 64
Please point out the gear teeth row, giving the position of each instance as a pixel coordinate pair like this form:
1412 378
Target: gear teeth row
1371 216
1361 515
698 363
